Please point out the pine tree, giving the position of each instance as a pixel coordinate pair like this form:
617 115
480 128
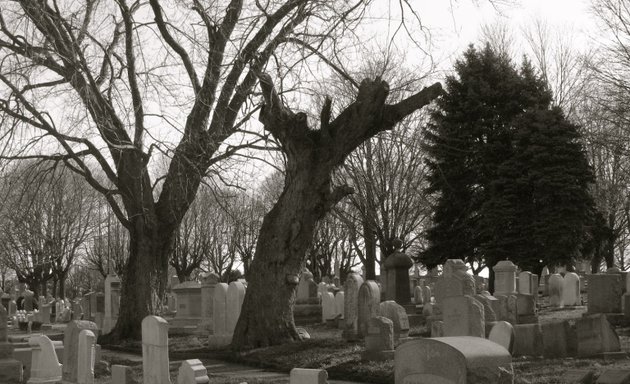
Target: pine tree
508 173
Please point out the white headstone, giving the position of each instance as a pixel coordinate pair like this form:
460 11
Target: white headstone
556 286
502 333
571 289
45 367
72 353
87 340
219 309
192 372
235 296
369 299
328 306
155 365
351 305
417 295
504 278
426 295
525 283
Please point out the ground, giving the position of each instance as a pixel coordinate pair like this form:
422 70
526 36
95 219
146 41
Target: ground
341 359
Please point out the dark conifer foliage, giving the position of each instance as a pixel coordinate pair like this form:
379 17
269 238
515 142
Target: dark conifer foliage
507 170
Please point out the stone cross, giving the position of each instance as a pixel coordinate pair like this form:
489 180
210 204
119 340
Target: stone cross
45 367
192 372
155 365
85 371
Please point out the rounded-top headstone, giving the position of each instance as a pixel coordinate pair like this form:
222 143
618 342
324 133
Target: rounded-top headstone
571 289
502 333
556 285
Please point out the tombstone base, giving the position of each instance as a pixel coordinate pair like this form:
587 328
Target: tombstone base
377 355
219 341
527 319
10 371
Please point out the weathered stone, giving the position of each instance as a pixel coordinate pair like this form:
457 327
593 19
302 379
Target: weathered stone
571 290
71 347
455 281
308 376
208 284
155 363
85 366
417 295
442 360
577 376
380 334
369 298
555 337
328 306
556 286
339 304
525 304
502 333
437 328
396 268
192 372
526 283
614 376
45 367
504 278
595 336
235 297
122 374
112 302
351 306
528 340
463 316
604 293
307 289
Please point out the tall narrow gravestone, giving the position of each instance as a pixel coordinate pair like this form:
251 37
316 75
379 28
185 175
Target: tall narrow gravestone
85 371
369 298
397 271
208 285
235 296
112 294
155 365
351 306
71 351
505 278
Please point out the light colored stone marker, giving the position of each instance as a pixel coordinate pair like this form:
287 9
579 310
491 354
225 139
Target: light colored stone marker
45 368
155 351
85 368
192 372
308 376
502 333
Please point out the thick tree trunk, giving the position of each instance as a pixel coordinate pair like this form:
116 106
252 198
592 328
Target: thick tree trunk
370 251
286 233
135 295
62 287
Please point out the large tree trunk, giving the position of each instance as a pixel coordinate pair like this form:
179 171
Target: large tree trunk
370 250
286 233
287 230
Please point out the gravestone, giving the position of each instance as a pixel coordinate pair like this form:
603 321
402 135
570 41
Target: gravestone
528 340
604 292
208 285
595 336
504 278
369 298
417 295
502 333
397 314
10 369
112 295
328 306
45 313
571 290
220 336
45 367
555 336
614 376
235 296
397 275
155 364
307 289
556 286
85 369
351 306
488 306
446 360
192 372
426 295
379 339
339 304
189 304
526 283
455 281
308 376
71 347
463 316
122 374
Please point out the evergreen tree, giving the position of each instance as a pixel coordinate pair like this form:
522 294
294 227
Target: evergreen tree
508 172
469 135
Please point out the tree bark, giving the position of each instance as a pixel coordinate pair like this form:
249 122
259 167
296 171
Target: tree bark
287 230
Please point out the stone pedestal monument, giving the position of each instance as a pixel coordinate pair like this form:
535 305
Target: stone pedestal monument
397 270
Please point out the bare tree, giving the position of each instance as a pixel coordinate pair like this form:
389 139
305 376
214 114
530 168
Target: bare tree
117 67
108 249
